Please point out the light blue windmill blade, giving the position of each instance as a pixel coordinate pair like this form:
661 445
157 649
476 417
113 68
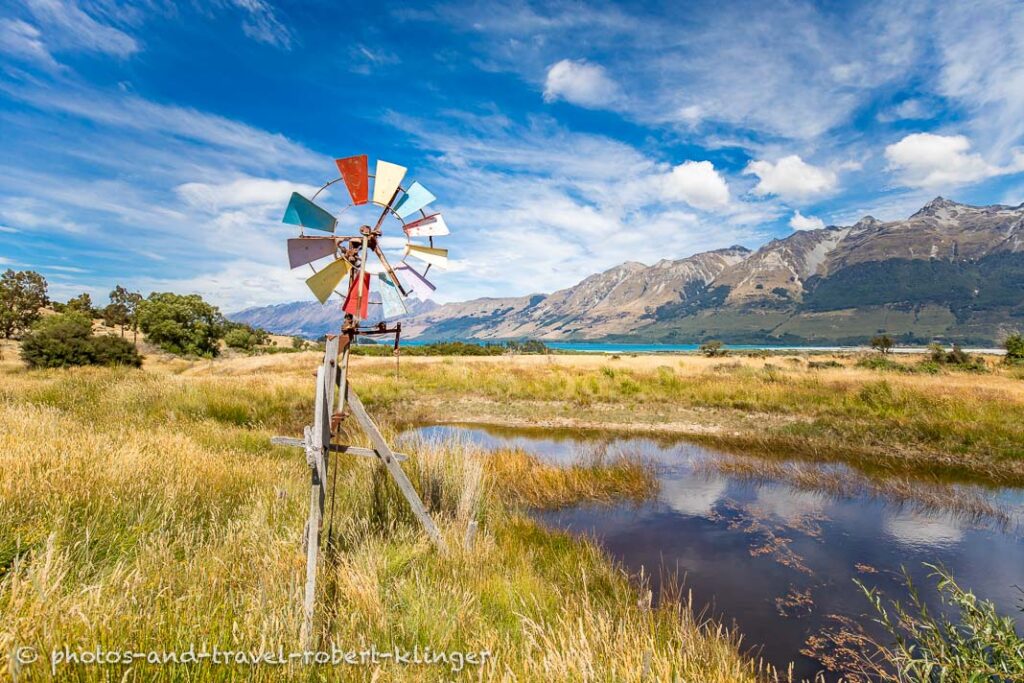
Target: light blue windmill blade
415 199
390 299
303 212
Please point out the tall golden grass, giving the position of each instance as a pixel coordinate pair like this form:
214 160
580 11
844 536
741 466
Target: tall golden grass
146 510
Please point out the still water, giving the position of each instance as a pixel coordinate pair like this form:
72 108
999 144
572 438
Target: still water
776 559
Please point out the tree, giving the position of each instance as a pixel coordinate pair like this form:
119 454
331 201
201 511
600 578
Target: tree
882 343
181 324
298 343
1014 345
81 304
116 312
245 337
22 294
713 348
66 339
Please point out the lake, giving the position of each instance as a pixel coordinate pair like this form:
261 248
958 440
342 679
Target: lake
775 555
603 347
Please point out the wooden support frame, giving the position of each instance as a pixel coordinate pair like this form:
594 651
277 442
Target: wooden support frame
316 443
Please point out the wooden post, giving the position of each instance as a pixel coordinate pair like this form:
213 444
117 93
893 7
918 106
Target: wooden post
318 446
391 462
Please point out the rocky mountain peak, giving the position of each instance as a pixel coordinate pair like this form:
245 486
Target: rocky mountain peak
938 206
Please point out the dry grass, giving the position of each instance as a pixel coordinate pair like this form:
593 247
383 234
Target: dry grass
524 480
147 510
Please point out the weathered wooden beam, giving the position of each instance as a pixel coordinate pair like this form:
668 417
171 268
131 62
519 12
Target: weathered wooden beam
391 462
291 441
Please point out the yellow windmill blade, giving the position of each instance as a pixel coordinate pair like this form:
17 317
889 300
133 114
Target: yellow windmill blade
325 281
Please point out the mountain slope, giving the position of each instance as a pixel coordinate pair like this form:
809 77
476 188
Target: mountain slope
950 271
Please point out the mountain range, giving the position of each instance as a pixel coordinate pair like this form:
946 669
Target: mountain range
950 272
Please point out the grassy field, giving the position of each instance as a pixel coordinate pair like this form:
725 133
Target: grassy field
146 510
950 425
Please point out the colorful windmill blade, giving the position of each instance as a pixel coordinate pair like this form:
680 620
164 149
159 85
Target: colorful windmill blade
325 281
416 197
357 302
432 255
355 172
390 299
431 226
306 214
386 181
303 250
415 282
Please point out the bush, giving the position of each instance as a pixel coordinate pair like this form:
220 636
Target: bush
66 339
883 363
822 364
978 645
109 350
182 324
245 337
882 342
956 357
1014 346
713 349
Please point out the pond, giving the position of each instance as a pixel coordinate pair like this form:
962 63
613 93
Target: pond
776 554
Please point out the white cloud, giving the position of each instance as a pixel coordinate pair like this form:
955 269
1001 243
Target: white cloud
928 160
241 192
802 222
23 40
261 24
909 109
698 184
69 27
582 83
791 178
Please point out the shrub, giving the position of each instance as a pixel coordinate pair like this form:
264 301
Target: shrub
979 645
1014 346
109 350
181 324
955 357
713 349
883 363
66 339
822 364
882 343
245 337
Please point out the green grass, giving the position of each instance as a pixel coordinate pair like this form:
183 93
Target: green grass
868 420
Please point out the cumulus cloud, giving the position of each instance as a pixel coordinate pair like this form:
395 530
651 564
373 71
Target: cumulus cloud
929 161
698 184
791 177
802 222
580 82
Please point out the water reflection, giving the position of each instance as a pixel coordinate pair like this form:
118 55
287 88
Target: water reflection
778 556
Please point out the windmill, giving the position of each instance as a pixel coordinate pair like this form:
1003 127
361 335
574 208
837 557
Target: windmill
360 257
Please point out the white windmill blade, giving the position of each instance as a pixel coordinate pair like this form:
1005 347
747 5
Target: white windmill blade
386 180
431 226
432 255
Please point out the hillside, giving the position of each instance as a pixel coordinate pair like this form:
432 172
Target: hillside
950 271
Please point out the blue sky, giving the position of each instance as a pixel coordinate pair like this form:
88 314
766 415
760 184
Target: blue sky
154 144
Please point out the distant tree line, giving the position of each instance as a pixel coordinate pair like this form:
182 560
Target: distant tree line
182 324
